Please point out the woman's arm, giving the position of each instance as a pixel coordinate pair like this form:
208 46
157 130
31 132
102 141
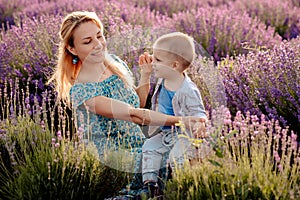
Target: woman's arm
144 85
110 108
116 109
143 88
150 117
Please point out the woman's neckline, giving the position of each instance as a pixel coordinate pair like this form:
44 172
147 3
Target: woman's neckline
108 78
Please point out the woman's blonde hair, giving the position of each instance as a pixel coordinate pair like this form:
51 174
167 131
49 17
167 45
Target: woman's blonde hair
66 72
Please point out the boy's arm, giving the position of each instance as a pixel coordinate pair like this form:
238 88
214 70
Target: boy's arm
193 106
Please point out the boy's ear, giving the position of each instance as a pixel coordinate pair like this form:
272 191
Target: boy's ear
175 64
72 50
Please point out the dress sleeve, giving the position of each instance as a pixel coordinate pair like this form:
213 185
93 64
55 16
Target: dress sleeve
80 93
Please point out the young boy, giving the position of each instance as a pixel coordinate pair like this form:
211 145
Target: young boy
175 94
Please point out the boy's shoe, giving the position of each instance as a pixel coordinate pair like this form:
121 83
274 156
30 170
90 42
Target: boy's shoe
151 190
125 197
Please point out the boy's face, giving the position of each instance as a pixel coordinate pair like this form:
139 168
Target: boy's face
163 64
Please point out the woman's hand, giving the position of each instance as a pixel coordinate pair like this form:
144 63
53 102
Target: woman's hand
150 117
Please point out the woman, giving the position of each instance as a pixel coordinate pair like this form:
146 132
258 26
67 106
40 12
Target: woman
100 89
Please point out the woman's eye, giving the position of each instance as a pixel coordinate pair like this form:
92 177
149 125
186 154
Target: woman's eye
87 42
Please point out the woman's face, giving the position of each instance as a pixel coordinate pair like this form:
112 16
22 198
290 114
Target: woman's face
89 43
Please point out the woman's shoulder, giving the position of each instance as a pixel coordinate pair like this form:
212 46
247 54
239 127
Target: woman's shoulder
119 60
92 85
82 86
115 57
81 91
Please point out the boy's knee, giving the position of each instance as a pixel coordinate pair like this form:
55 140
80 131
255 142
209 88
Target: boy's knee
148 146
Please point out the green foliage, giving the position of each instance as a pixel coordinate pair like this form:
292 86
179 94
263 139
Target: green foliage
255 161
36 165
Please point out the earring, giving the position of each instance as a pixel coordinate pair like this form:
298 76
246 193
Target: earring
75 60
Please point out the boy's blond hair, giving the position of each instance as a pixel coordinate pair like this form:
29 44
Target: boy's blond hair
179 44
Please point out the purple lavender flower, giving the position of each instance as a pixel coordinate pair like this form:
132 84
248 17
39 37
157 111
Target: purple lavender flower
266 82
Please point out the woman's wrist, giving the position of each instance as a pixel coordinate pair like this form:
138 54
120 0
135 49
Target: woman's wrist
172 120
145 74
145 81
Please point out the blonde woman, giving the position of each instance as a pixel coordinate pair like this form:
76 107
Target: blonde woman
99 88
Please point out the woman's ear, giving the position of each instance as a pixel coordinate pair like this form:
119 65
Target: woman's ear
72 50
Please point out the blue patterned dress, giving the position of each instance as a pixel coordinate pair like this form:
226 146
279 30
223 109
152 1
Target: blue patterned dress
108 133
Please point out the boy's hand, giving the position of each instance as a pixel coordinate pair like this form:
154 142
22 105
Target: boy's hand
199 130
196 125
145 61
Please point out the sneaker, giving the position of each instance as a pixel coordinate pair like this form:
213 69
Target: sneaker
151 190
121 197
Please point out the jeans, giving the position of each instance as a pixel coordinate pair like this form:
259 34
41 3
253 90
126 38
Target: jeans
157 146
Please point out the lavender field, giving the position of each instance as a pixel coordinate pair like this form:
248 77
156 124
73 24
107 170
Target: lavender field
250 84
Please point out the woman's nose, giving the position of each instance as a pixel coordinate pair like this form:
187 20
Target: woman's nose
98 44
